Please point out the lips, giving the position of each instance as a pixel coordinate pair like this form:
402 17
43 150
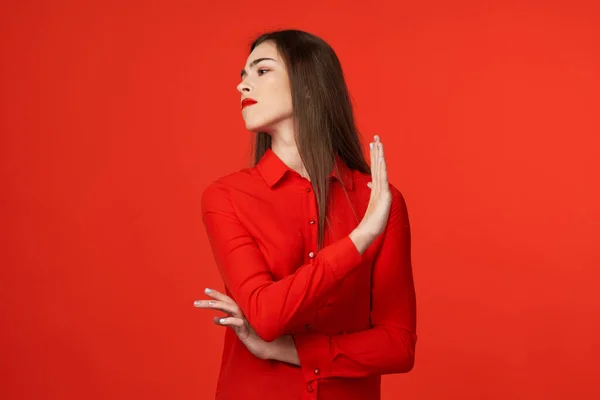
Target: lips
248 102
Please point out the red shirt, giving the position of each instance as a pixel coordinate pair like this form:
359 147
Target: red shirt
352 316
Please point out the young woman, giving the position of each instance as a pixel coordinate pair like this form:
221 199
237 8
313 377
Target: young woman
313 245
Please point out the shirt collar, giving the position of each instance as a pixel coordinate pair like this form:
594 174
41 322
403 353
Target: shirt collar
272 169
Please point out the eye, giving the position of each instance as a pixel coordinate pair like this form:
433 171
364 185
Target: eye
262 70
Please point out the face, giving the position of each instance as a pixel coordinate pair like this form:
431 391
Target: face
265 81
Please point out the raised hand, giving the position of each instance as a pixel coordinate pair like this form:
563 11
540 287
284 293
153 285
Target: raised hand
378 210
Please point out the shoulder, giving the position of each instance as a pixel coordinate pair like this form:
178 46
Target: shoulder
222 189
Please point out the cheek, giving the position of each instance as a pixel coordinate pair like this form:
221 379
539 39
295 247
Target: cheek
277 101
282 99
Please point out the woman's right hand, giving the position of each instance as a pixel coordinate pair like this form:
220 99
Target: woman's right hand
378 210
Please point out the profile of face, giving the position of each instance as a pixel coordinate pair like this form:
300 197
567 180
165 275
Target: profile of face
265 80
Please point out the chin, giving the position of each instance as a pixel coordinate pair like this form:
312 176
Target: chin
253 126
268 124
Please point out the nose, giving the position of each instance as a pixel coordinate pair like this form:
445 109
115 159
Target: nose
243 87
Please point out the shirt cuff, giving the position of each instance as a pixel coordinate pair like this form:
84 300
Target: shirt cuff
342 256
314 353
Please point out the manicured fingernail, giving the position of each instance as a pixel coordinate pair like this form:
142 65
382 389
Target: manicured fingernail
207 290
380 158
222 321
197 303
371 146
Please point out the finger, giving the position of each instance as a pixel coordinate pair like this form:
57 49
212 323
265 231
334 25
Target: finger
218 295
216 319
229 321
231 309
378 163
383 178
372 153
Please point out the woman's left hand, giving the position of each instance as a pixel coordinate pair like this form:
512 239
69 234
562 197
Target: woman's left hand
236 321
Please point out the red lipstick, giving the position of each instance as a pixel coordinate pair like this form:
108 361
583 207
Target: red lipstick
248 102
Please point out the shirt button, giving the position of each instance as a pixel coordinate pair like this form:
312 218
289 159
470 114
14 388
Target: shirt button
307 190
317 372
312 221
309 388
307 327
311 254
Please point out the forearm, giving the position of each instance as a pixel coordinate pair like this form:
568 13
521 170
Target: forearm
376 351
276 307
362 238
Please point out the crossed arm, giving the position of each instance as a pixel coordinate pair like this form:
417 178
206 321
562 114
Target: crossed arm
272 307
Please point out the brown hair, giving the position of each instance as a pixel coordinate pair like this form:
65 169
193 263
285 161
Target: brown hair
322 112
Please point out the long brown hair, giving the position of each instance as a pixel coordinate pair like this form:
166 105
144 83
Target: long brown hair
322 111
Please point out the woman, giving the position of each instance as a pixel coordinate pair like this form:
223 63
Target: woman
321 302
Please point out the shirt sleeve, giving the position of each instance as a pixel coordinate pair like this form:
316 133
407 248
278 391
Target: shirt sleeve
270 307
389 345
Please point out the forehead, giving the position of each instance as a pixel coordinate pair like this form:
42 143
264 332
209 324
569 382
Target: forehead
265 49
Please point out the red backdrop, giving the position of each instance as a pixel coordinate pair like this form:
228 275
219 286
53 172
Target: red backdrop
116 115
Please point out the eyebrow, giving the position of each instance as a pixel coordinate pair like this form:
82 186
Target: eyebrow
253 63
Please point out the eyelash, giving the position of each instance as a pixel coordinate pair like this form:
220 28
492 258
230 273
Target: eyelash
261 69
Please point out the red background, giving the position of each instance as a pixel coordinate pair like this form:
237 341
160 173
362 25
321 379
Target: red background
116 115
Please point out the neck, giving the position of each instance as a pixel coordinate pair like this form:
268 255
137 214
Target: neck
284 146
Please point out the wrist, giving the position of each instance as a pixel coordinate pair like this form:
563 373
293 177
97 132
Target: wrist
273 349
362 238
282 349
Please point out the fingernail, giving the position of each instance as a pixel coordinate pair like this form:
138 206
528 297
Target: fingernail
222 321
197 303
380 158
371 146
207 290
